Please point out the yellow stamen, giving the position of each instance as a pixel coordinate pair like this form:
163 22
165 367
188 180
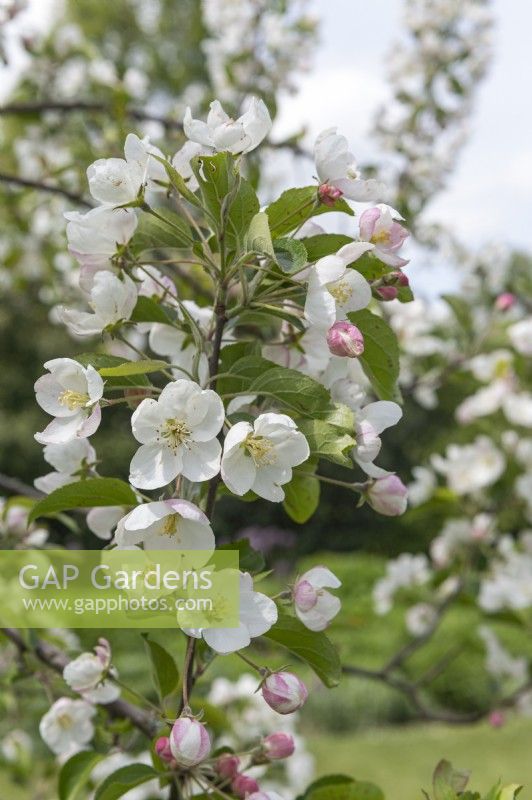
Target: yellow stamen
341 291
261 450
73 400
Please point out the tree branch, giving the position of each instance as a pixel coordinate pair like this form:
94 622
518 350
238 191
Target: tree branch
55 659
45 187
19 487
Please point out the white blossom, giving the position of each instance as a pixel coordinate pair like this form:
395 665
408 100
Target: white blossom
112 299
337 167
422 487
260 457
102 520
401 573
66 724
470 467
177 433
257 615
166 525
370 421
521 336
222 133
116 181
69 460
71 394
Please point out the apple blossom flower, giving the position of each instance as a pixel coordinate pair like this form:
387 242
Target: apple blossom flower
163 749
16 746
67 723
380 227
102 520
166 525
244 785
313 604
388 496
177 433
257 615
508 585
153 283
470 467
190 742
70 460
337 168
403 572
227 765
420 619
112 299
260 457
521 336
116 181
459 534
370 421
71 394
499 662
278 745
345 340
225 134
87 674
176 345
387 293
183 157
14 526
284 692
93 238
333 289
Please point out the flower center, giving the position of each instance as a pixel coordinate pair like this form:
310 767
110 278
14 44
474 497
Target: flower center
73 400
171 524
175 432
341 291
261 450
65 721
382 237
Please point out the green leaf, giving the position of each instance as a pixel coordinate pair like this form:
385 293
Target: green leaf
337 787
149 310
380 359
154 234
372 269
290 254
133 368
324 244
240 373
178 182
509 792
280 312
164 670
296 206
447 782
123 780
102 361
302 496
327 441
249 560
75 774
258 237
295 390
312 647
85 494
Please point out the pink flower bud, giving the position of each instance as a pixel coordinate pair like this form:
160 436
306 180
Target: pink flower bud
243 785
388 496
284 692
227 765
278 745
189 741
399 278
329 194
345 339
505 301
496 719
305 595
162 748
387 292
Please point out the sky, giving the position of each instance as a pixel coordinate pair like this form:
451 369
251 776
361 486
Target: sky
486 198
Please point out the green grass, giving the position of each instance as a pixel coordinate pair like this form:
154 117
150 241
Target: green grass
401 760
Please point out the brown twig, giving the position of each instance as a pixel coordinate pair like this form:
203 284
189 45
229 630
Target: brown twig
57 660
45 187
15 486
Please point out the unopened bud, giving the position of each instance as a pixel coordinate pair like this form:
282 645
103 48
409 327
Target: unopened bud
278 745
398 277
329 194
284 692
162 749
496 719
505 301
388 496
387 292
189 742
345 339
243 785
227 765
